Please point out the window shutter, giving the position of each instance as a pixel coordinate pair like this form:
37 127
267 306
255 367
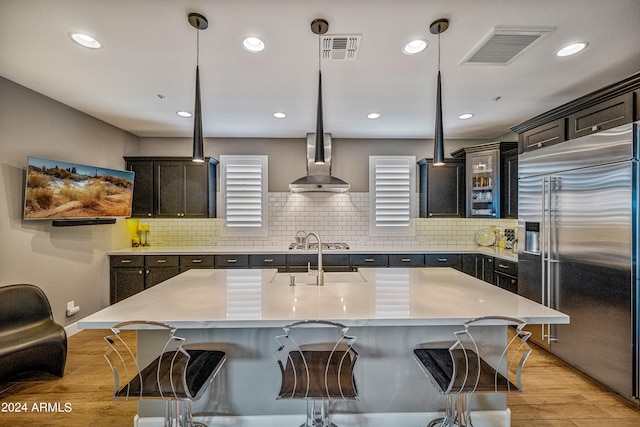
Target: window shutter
245 191
391 189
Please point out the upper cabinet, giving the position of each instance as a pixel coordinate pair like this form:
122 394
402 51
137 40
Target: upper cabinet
611 106
484 178
509 184
172 187
442 188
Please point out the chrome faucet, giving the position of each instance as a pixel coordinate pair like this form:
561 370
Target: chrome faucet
320 274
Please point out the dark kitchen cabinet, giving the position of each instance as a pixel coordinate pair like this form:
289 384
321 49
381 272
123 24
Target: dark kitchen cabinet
187 262
542 136
278 261
232 261
173 187
506 275
330 262
443 260
441 188
509 184
605 108
478 266
132 274
406 260
484 177
605 115
369 260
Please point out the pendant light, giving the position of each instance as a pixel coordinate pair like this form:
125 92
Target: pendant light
438 27
198 22
319 27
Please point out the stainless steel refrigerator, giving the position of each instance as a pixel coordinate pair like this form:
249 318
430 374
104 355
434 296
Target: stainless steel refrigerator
578 250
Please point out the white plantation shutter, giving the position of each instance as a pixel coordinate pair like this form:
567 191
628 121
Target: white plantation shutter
391 187
244 187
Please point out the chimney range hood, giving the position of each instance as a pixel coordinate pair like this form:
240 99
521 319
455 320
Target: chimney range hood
318 177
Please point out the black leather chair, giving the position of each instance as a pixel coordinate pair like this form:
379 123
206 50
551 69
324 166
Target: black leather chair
30 340
470 366
317 362
179 375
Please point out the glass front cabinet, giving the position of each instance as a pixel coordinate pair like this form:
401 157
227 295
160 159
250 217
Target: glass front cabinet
483 178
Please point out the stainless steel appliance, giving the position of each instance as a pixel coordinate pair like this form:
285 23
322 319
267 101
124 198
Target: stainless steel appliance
578 250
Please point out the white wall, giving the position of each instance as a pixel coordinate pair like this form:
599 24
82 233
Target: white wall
68 263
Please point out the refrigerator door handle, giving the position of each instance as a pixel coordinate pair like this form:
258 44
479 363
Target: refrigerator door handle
547 270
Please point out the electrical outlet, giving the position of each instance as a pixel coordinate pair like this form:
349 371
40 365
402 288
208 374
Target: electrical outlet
70 305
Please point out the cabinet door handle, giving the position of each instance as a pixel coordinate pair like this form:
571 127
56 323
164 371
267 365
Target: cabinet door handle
442 260
196 261
139 271
406 259
231 261
161 261
369 260
268 260
594 128
125 261
503 266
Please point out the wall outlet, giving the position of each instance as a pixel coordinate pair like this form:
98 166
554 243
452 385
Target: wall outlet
70 305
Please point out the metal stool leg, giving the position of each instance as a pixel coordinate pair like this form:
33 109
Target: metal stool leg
318 413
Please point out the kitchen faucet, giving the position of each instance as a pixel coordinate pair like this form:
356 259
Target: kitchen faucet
320 279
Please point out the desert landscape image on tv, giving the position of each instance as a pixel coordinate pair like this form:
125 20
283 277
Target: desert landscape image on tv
63 190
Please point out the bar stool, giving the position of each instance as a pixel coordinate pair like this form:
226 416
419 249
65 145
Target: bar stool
470 366
317 360
178 375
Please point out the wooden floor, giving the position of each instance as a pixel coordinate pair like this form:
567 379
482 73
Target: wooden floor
554 395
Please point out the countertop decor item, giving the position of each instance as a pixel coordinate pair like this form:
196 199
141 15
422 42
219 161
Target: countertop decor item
485 237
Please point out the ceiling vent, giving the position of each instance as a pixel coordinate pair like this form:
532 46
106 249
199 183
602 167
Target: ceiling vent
340 47
505 44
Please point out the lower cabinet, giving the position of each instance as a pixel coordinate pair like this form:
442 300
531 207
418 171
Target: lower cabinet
443 260
369 260
506 275
330 262
132 274
406 260
278 261
479 266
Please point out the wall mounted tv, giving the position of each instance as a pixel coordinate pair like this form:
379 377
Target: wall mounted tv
76 194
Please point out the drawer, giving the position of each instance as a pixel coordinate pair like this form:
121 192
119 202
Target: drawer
117 261
369 260
232 261
197 261
162 260
268 261
442 260
505 267
401 260
298 260
506 282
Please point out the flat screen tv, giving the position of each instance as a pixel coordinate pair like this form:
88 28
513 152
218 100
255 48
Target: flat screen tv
57 190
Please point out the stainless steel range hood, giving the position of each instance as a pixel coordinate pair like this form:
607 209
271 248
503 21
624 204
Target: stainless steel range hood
318 177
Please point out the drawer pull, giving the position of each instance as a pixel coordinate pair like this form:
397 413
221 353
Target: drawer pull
443 259
125 261
161 261
369 260
231 261
268 260
594 128
503 266
406 259
196 261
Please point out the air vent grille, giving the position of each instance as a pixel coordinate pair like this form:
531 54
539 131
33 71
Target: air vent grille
340 47
504 45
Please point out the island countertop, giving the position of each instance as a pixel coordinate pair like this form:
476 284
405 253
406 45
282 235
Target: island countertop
239 298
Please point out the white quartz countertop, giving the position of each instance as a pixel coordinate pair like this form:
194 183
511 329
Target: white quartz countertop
239 298
507 254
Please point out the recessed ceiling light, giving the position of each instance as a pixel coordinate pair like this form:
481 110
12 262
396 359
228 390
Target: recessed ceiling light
253 44
184 113
373 116
85 40
414 46
572 49
279 115
465 116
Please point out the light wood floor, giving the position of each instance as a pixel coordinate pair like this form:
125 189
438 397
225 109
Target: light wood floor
554 395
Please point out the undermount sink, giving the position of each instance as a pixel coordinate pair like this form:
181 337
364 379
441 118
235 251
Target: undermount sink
329 278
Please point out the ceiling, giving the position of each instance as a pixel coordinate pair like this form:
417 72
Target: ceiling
145 71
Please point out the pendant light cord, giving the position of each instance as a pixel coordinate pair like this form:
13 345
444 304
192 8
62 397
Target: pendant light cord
198 47
439 51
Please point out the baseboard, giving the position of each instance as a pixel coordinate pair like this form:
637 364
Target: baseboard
71 329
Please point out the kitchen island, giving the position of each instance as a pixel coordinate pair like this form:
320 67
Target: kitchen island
389 310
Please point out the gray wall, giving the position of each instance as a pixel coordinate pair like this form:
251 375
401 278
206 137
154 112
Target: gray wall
287 157
68 263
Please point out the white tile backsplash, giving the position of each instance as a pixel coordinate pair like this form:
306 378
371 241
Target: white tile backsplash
335 217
